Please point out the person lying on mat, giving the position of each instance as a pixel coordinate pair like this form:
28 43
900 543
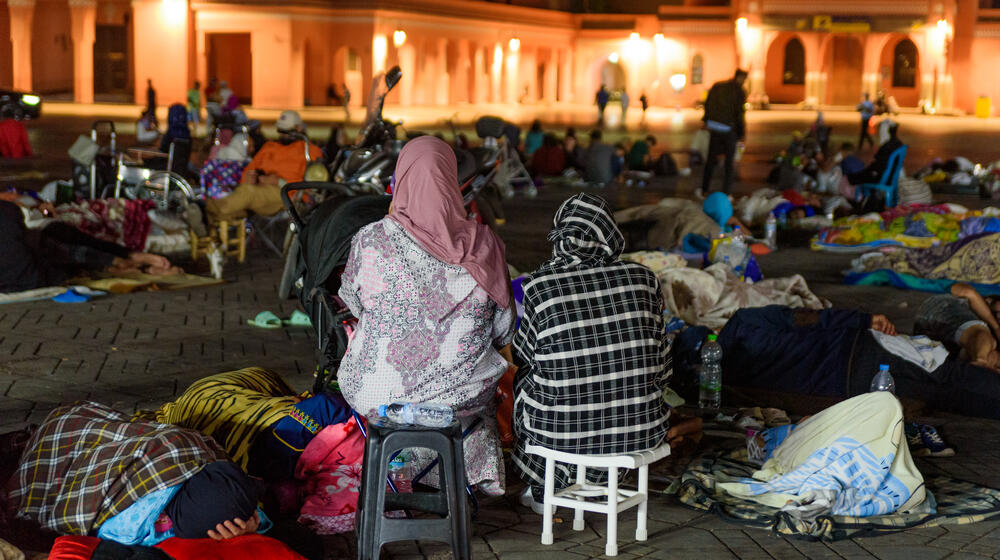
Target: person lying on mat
432 295
89 470
590 350
57 252
964 321
836 352
276 163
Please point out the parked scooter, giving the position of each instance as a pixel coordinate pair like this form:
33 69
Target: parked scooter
367 166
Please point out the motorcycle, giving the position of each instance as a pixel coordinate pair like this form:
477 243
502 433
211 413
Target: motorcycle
367 166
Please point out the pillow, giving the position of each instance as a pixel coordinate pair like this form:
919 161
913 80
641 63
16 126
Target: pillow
244 547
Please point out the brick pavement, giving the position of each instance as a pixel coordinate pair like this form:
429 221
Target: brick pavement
138 350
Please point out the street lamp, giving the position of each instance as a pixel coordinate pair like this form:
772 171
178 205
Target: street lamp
613 58
514 45
398 38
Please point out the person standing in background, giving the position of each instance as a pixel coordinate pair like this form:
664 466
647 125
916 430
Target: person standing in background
624 101
725 120
194 105
150 97
867 109
601 99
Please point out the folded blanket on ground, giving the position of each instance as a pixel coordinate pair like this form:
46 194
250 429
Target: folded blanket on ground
117 220
711 296
914 226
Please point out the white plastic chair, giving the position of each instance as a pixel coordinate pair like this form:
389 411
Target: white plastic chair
575 496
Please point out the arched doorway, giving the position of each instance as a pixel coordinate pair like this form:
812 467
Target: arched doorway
900 71
785 69
844 61
613 75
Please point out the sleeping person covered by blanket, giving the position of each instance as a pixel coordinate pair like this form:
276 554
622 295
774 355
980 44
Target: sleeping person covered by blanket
851 459
89 470
55 253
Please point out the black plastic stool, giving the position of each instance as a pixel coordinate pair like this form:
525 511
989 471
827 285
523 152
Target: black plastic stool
375 529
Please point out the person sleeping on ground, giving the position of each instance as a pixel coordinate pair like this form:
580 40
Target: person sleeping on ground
677 221
52 255
836 352
89 470
590 350
257 418
851 459
432 296
965 322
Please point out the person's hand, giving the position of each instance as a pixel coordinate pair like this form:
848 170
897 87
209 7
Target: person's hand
235 528
268 180
150 259
46 208
250 177
882 324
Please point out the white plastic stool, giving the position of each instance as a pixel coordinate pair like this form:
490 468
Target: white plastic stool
575 496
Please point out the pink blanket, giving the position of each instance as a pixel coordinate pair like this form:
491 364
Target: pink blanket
330 467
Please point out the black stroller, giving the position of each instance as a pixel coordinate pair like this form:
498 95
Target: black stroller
320 253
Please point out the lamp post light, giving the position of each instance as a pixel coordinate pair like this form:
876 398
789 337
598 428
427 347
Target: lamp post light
398 38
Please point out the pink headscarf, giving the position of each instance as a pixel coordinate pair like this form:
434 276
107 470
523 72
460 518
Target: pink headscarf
427 203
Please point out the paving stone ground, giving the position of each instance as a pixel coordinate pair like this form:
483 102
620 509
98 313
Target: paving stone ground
138 350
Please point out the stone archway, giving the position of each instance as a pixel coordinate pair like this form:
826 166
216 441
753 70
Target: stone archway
785 69
899 70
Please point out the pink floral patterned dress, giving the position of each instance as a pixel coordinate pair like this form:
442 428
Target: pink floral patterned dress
427 332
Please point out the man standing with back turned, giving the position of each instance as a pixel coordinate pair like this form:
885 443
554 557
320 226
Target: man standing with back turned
725 119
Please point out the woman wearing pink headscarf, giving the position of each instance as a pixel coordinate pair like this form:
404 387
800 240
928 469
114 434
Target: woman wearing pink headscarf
431 293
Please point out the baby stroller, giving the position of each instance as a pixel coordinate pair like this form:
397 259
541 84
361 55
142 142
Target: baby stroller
317 259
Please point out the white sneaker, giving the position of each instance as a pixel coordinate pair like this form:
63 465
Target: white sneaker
528 501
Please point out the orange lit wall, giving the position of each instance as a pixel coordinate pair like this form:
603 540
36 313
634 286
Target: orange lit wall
160 39
6 50
52 48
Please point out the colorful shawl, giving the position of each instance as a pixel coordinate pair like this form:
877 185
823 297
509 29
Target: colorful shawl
974 259
88 463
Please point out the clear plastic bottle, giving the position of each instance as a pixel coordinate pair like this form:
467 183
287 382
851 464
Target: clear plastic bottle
738 236
710 375
420 414
883 380
771 231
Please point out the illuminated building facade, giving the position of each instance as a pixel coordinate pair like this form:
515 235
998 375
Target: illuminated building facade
278 54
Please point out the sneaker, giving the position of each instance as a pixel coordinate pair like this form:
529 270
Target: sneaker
925 441
528 501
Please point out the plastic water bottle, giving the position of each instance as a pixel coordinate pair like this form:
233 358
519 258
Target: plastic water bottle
420 414
710 375
738 236
771 231
883 380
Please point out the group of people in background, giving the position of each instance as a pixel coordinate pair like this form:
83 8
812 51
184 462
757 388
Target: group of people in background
603 97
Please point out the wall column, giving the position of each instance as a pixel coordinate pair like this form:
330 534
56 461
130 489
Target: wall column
161 42
83 15
21 15
459 74
441 79
566 75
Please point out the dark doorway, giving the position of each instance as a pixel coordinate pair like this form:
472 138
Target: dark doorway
904 64
111 60
230 60
845 62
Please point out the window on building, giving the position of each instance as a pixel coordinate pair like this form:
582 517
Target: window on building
697 69
904 64
795 63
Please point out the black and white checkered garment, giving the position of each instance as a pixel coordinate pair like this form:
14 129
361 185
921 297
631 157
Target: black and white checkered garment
590 348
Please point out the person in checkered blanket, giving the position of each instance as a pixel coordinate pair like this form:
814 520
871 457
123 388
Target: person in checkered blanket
590 350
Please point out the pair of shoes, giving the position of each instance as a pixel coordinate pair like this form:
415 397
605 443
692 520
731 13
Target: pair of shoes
925 441
528 501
